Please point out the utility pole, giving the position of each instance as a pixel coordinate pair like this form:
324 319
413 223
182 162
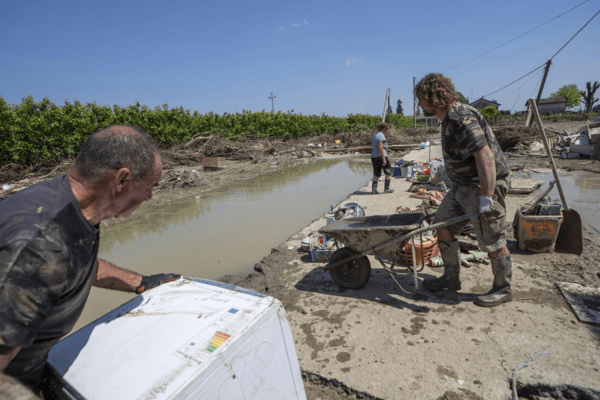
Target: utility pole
272 105
529 119
414 105
386 105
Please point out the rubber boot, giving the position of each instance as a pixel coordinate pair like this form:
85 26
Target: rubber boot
450 280
501 290
374 188
386 188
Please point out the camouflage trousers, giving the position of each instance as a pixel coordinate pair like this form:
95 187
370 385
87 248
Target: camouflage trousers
461 200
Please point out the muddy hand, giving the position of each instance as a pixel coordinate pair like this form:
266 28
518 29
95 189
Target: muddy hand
486 205
152 281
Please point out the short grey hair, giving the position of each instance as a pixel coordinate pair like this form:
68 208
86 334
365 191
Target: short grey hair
116 147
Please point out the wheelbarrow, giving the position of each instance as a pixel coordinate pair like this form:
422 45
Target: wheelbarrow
381 235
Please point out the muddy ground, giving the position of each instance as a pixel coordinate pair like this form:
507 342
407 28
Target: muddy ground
184 176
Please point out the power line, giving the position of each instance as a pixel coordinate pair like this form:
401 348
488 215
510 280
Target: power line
575 35
516 80
586 24
512 40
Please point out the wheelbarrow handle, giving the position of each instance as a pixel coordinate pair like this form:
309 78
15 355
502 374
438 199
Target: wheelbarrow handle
401 238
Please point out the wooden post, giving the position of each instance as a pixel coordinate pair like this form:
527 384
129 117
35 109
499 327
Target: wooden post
529 119
386 105
414 105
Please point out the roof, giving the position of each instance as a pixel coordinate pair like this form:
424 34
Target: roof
480 100
551 100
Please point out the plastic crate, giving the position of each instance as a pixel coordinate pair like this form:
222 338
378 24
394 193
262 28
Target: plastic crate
537 233
426 251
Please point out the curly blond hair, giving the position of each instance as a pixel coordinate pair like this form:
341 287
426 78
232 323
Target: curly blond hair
437 89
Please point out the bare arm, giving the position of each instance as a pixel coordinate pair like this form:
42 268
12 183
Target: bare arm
486 169
110 276
381 152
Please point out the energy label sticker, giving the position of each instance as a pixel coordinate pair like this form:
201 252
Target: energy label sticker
200 349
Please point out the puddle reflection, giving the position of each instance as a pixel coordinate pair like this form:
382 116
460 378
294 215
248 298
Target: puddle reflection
582 192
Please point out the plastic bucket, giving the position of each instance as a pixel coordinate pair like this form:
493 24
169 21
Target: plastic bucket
407 171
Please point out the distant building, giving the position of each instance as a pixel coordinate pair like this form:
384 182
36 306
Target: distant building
428 121
554 105
483 103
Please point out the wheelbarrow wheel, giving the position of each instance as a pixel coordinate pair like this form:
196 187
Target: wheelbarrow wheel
351 275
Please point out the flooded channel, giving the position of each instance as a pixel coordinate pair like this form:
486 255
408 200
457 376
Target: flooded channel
582 193
223 233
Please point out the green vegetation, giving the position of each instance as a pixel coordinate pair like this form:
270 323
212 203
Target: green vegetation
33 131
570 93
489 112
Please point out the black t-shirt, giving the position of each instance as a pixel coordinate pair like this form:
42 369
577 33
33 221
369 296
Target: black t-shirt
48 254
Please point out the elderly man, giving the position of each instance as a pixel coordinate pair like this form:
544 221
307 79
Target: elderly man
481 179
49 236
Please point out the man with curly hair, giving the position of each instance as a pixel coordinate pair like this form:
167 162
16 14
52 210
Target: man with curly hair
481 179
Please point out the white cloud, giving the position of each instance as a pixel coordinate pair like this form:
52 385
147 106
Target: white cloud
351 61
299 24
281 28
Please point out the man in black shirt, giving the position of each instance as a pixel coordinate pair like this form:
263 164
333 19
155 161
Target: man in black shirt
49 236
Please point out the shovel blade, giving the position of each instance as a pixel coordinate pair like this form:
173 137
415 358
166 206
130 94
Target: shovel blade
570 234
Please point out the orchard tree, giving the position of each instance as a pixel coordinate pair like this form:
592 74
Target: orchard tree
570 93
399 107
588 95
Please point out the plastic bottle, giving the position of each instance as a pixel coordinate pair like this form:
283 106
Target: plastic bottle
436 262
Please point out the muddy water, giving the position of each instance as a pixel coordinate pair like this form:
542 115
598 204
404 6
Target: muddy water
582 193
223 233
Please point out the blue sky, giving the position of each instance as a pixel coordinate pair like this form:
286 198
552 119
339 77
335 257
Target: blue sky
326 56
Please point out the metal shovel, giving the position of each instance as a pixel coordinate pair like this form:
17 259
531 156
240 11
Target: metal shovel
570 234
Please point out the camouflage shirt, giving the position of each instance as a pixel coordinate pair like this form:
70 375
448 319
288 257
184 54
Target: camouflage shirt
464 131
48 254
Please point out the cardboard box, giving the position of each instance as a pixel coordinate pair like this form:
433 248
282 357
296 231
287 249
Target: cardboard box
188 339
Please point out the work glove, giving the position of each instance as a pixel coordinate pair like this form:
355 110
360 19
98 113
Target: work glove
152 281
486 205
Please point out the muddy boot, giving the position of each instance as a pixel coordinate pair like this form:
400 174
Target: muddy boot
374 188
501 291
386 188
451 278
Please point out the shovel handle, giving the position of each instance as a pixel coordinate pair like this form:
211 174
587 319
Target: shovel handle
533 106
